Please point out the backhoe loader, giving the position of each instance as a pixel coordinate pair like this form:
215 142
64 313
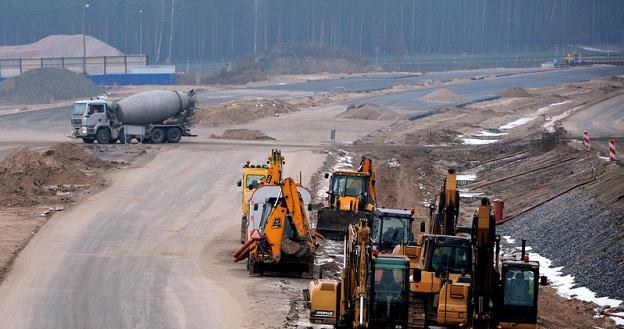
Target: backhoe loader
372 291
283 241
351 196
255 176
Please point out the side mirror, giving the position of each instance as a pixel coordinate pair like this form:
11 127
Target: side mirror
422 227
309 207
326 175
255 206
543 280
239 183
417 275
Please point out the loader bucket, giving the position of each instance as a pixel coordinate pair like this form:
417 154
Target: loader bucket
333 223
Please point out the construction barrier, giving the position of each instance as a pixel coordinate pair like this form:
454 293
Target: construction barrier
586 140
612 150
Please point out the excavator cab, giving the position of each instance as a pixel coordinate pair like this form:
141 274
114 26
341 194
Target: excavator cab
519 293
391 227
390 292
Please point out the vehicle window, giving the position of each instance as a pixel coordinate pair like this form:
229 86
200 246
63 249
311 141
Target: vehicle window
96 108
519 288
348 185
450 260
394 233
388 284
79 109
252 181
266 211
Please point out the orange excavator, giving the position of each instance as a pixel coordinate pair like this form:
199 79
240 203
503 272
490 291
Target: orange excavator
283 242
351 196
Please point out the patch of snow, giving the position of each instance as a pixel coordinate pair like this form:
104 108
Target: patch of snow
469 177
475 141
549 125
565 285
525 120
393 163
508 239
517 123
604 158
485 133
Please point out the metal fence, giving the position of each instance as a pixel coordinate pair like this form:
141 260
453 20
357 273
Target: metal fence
94 65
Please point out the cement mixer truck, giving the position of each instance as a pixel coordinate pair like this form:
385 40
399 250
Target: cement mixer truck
156 116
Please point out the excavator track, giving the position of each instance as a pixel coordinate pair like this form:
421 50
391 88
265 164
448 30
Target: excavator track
417 313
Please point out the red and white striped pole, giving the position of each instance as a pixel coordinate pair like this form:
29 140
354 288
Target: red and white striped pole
612 150
586 140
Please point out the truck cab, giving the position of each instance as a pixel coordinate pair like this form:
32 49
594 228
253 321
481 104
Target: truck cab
87 117
252 176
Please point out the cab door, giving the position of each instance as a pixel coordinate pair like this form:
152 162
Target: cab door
96 114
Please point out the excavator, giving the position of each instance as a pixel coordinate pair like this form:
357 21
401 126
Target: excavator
372 291
283 241
255 176
391 227
448 282
351 196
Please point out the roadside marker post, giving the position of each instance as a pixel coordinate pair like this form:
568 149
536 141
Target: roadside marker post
612 150
586 140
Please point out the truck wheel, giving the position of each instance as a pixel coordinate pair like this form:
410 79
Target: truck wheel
88 140
174 135
157 136
103 136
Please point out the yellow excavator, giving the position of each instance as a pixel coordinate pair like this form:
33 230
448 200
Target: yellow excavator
283 241
372 291
446 288
351 196
255 175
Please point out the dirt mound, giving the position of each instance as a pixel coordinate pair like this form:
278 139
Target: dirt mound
238 112
46 85
369 112
26 175
243 134
60 46
514 92
442 96
304 59
242 72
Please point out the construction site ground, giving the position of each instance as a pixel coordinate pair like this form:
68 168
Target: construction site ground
149 245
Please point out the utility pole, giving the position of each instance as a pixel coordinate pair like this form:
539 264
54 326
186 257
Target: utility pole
84 40
140 31
255 26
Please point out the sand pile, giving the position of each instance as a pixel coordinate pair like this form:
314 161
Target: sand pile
243 111
243 134
26 175
46 85
514 92
239 73
442 96
369 112
60 46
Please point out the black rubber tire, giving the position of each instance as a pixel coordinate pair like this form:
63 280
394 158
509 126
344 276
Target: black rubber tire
113 141
157 136
103 136
88 140
174 135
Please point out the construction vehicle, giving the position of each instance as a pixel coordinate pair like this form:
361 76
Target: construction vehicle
283 240
391 227
351 196
505 295
255 176
445 220
372 291
261 201
156 116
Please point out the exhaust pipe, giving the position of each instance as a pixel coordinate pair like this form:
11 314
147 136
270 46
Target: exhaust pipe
523 256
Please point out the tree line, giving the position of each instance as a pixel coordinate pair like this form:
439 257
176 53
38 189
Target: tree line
176 31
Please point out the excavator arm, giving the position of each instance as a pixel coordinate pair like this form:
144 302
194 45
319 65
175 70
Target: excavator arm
445 221
366 165
275 162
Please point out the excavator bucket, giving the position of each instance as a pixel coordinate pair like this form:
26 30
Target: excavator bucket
333 223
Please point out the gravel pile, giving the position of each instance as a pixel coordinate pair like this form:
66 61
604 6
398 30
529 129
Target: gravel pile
243 134
576 232
369 112
514 92
46 85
